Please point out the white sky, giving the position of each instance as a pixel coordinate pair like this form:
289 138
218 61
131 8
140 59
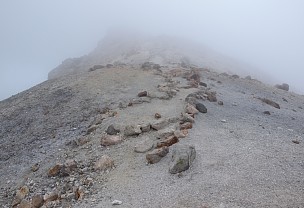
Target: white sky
37 35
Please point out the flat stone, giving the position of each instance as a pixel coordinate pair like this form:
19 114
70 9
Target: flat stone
144 146
201 107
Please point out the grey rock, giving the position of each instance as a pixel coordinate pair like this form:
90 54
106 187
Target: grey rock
144 146
160 124
112 130
132 130
201 107
182 158
186 118
283 86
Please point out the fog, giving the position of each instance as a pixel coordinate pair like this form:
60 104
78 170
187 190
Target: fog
36 35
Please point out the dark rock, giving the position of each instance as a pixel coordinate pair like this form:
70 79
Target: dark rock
248 77
95 67
235 76
203 84
142 94
91 129
111 130
182 158
220 103
191 99
109 65
156 155
201 107
296 141
270 102
283 86
266 112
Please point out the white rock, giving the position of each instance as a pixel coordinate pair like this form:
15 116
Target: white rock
116 202
223 121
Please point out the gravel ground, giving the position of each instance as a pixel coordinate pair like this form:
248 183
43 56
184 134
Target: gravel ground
245 158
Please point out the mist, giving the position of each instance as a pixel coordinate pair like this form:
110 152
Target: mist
36 36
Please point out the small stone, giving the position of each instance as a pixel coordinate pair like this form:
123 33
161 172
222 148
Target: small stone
157 116
266 112
132 130
55 170
143 94
186 118
35 167
108 140
182 158
20 195
220 103
167 142
79 193
112 130
186 125
156 155
116 202
104 163
270 102
50 197
37 201
296 141
201 107
190 109
70 165
145 127
223 121
203 84
91 129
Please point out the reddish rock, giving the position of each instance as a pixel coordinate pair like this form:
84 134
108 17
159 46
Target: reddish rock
25 204
37 201
156 155
167 142
185 132
20 195
55 171
186 125
108 140
104 163
190 109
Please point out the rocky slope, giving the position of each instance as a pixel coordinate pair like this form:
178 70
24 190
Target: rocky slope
152 136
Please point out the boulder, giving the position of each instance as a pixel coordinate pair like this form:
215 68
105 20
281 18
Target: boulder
108 140
156 155
201 107
182 158
132 130
104 163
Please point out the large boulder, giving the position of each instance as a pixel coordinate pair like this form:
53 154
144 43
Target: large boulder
182 158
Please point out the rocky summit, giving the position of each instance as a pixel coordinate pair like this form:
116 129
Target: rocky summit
142 127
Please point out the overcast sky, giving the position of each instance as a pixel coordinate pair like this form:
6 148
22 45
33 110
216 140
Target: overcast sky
37 35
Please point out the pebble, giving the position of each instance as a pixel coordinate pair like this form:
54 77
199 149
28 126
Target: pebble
116 202
223 121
